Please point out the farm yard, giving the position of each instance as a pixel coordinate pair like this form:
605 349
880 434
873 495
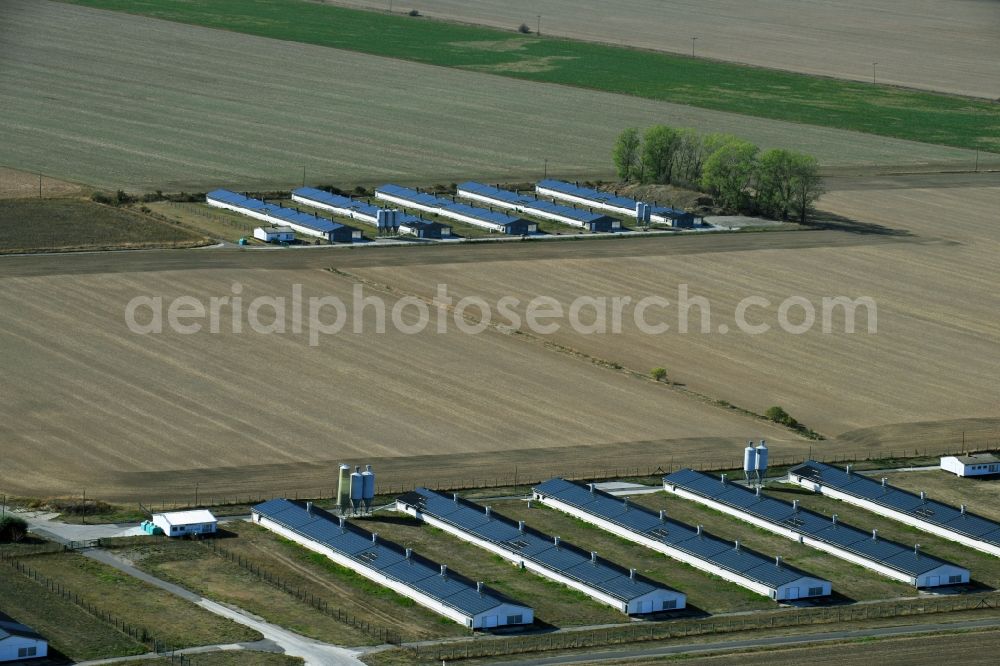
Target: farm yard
915 46
368 124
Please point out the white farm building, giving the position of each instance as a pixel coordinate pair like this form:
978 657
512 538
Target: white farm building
917 510
544 555
977 464
908 565
186 523
728 560
280 216
19 642
474 215
431 585
274 234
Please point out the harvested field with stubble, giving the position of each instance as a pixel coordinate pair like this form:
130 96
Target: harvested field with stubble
915 45
934 357
68 224
86 401
137 124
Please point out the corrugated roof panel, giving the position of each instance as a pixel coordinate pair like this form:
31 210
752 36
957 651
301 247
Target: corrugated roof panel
384 556
483 214
929 511
289 215
806 522
529 204
531 545
713 550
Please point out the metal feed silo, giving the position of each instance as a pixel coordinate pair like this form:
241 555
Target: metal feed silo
357 489
749 460
344 487
368 487
762 460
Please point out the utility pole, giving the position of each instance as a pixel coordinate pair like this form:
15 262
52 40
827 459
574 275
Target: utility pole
977 160
303 175
873 72
546 171
196 493
39 186
3 506
84 506
693 40
538 27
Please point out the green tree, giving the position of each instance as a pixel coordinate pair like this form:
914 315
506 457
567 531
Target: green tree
787 182
689 157
626 154
774 182
728 173
659 145
659 374
12 528
779 415
807 185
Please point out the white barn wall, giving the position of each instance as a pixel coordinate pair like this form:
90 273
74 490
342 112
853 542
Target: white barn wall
896 515
522 209
777 593
484 199
440 211
10 646
795 536
516 558
274 221
659 546
343 212
545 192
476 622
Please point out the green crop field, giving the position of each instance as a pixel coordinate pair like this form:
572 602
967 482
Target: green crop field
45 225
132 110
896 112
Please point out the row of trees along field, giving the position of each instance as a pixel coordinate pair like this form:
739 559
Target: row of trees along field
779 183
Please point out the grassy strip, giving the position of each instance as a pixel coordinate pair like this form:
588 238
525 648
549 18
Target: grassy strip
194 566
69 629
902 113
173 620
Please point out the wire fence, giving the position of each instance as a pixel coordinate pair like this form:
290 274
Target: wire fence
515 477
135 632
383 634
652 631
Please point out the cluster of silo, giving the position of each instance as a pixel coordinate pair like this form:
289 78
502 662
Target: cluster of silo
643 213
755 462
355 490
387 220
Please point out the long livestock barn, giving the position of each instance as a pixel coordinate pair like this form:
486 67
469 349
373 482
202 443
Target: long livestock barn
480 217
894 560
399 569
369 214
548 556
879 497
279 216
586 196
692 545
528 205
